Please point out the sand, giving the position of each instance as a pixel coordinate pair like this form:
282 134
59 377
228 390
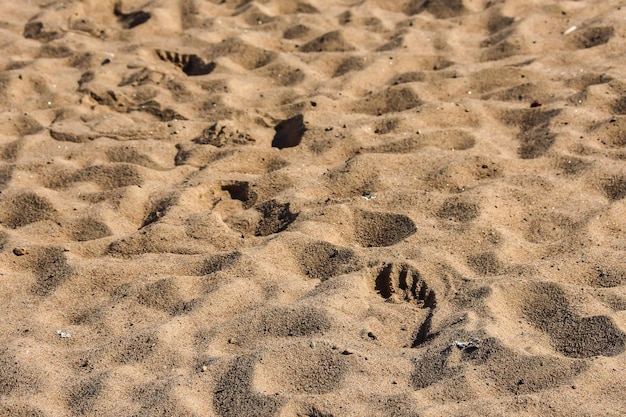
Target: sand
312 208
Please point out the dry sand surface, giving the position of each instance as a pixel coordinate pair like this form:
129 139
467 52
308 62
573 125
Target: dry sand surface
312 208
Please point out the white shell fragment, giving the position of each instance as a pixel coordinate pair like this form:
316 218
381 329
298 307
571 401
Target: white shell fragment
472 344
569 30
64 334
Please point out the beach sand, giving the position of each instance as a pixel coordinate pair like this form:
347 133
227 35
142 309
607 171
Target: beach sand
312 208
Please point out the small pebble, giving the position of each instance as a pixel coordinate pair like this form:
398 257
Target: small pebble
19 251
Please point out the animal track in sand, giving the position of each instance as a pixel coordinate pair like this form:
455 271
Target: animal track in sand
404 283
191 64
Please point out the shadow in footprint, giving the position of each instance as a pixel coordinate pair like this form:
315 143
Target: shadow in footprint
547 308
318 372
164 295
297 31
393 99
485 263
283 74
35 29
457 210
21 410
130 155
134 349
535 135
26 208
614 187
158 210
83 396
107 176
14 378
550 227
329 42
51 269
158 400
4 239
234 395
381 229
217 262
322 260
515 372
593 36
254 327
519 373
275 217
89 229
274 322
432 368
608 277
242 53
441 9
353 63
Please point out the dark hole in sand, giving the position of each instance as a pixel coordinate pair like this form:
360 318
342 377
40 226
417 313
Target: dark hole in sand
196 66
241 190
130 20
289 132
